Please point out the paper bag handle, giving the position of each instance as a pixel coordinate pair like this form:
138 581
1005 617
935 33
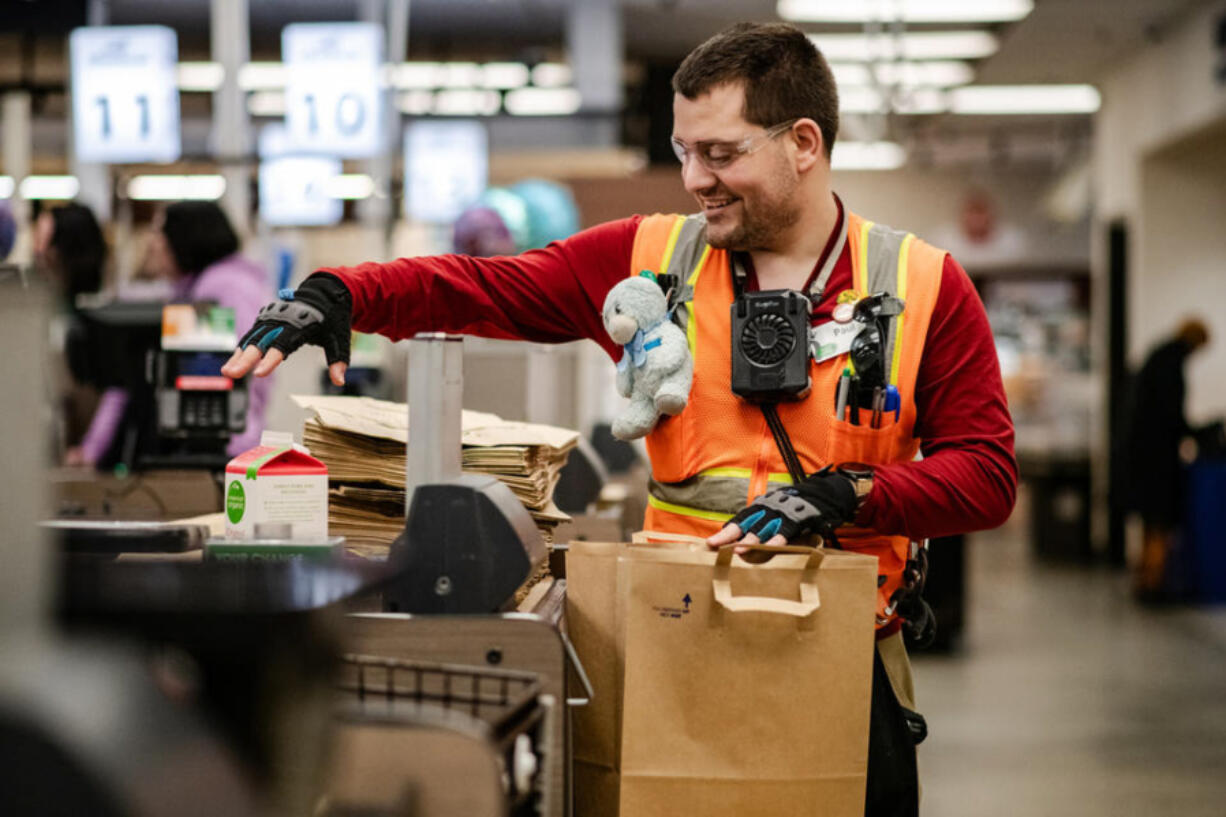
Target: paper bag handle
809 600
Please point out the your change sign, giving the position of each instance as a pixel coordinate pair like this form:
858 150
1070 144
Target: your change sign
125 104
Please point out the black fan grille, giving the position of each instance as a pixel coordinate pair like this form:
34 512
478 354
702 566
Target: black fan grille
767 339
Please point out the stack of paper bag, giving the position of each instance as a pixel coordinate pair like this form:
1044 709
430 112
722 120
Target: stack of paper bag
362 441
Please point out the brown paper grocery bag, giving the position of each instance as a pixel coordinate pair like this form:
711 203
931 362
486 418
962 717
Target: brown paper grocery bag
721 688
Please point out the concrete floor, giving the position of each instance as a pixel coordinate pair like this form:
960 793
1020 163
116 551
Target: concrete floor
1069 699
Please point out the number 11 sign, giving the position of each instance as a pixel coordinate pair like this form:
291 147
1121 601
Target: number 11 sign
125 104
333 96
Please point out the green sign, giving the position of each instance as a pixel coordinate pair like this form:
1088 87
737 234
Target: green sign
236 501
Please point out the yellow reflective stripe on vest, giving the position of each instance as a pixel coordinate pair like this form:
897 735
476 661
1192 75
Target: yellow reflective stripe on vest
742 473
904 253
860 271
681 510
670 245
691 318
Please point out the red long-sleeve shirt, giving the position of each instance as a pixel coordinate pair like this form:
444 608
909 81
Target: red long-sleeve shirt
968 477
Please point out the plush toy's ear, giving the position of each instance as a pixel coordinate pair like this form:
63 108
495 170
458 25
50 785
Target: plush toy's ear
648 274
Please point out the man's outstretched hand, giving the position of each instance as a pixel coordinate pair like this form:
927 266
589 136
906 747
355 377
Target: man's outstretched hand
318 313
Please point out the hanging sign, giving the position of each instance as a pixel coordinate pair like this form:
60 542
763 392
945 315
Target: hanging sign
334 94
125 102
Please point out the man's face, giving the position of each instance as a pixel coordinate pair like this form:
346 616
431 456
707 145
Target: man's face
754 198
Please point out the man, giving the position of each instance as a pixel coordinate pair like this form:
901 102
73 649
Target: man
755 118
1153 472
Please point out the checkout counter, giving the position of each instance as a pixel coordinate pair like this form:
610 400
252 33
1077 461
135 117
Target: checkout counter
412 686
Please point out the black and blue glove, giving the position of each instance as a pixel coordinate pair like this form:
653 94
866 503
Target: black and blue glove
818 504
318 312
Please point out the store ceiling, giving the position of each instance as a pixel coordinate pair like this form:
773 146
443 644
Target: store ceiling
1060 41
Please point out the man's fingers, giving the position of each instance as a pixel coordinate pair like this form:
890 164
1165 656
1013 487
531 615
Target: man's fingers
750 539
241 362
729 534
777 539
336 372
272 359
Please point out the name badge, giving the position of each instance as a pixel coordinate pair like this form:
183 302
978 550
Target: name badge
832 339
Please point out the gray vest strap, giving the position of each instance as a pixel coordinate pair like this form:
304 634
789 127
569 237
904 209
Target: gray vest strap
687 252
881 257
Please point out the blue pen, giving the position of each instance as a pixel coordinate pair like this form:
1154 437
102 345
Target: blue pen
892 401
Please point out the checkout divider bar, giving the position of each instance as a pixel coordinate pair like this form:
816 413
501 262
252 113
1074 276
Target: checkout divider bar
436 392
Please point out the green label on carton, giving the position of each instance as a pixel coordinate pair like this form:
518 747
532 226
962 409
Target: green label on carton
236 501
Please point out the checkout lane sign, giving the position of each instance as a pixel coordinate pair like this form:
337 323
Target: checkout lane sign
446 168
334 95
125 103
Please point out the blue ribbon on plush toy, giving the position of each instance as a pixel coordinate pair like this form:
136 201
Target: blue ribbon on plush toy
638 347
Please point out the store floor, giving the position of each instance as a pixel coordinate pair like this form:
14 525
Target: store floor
1069 699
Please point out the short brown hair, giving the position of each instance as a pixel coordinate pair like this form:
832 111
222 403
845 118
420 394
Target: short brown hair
783 74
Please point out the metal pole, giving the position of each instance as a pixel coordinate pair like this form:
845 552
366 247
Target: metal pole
231 47
25 578
94 178
595 47
379 210
436 392
16 147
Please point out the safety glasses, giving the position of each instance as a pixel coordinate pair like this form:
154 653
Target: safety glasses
716 156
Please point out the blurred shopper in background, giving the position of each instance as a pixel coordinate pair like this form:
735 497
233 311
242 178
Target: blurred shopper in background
195 248
70 251
1154 429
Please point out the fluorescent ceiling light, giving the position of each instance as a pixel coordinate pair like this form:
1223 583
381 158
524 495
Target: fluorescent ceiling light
266 103
409 75
200 76
176 188
860 100
551 75
7 186
933 74
930 74
467 103
57 188
922 45
504 75
1024 99
867 156
415 103
459 75
911 101
350 186
543 101
908 11
261 76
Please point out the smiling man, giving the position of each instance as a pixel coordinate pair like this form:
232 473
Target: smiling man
903 363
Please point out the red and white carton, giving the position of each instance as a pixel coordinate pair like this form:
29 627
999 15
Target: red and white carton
276 490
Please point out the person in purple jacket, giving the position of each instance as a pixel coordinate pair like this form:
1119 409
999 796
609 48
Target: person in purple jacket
194 246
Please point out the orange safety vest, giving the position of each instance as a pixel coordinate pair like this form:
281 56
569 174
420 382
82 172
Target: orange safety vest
718 454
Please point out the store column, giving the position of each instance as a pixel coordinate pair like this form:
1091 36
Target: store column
94 178
594 44
378 211
230 138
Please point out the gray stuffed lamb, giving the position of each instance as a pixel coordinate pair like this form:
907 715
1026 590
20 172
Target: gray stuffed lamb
656 370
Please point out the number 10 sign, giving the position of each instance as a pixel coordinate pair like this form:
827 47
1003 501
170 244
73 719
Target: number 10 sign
125 104
333 95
